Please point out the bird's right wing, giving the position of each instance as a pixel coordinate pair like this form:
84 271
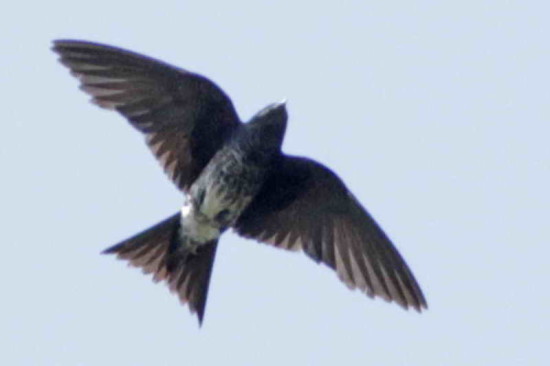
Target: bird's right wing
304 205
184 116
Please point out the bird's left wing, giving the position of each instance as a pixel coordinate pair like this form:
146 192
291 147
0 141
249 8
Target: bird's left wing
185 117
304 205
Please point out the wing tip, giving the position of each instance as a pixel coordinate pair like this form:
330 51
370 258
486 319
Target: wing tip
60 45
111 250
71 43
417 303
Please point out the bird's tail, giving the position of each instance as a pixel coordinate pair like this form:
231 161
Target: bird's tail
159 251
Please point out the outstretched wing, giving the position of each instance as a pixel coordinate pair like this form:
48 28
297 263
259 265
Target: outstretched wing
304 205
185 117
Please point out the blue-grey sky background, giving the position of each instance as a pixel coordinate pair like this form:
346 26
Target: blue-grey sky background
435 113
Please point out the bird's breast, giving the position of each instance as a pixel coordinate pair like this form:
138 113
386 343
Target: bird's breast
225 188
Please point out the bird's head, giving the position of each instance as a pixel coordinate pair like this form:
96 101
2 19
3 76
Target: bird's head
269 124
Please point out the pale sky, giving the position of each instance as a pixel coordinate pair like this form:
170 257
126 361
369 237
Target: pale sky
436 115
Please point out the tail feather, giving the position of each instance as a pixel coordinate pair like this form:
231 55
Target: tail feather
188 274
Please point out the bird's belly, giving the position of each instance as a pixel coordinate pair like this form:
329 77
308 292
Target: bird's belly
227 186
221 193
196 225
224 201
217 211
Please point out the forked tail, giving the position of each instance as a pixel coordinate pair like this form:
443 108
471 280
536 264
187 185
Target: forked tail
158 251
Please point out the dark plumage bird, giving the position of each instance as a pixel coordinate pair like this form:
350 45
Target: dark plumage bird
232 175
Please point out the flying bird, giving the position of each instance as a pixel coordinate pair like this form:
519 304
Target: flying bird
232 175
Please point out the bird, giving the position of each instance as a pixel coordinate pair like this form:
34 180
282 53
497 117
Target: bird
233 175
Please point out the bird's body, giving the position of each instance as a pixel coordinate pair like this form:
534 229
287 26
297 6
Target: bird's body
232 178
233 175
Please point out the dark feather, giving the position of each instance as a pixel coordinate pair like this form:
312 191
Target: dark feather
185 117
305 205
188 274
